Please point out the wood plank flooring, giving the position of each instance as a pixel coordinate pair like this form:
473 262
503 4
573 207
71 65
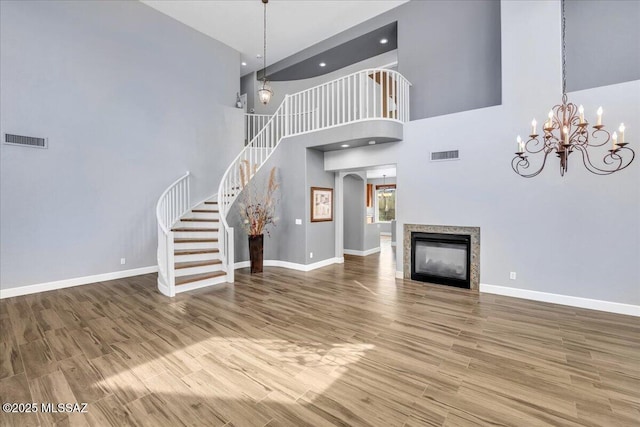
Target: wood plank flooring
346 345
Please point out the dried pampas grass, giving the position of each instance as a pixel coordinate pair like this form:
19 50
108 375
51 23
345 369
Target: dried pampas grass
258 209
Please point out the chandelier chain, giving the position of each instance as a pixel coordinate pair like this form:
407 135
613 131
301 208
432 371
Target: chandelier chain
564 50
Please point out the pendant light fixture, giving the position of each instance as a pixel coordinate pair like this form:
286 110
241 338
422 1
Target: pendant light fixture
265 92
566 131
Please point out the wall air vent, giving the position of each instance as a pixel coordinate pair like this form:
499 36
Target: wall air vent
437 156
26 141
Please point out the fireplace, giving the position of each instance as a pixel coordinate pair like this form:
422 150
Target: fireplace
446 254
441 258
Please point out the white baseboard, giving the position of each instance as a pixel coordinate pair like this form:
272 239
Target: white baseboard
399 274
393 243
385 233
361 253
593 304
67 283
293 265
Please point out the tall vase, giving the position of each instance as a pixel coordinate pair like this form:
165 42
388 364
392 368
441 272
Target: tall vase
256 250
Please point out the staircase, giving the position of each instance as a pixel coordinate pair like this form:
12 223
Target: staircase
195 243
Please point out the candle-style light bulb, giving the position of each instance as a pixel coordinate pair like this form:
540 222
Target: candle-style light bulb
614 141
599 112
565 131
533 126
520 144
550 122
621 130
581 112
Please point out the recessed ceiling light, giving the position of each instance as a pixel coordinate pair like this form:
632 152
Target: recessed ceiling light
344 145
384 41
244 64
372 142
322 64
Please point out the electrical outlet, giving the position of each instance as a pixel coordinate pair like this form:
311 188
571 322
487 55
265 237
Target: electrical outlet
310 254
123 261
298 221
512 275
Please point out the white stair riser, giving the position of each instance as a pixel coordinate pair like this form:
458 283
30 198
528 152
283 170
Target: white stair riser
204 215
196 234
197 257
196 224
198 270
204 245
201 284
206 206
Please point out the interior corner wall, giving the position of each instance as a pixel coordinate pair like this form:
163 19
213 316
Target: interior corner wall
129 100
354 208
577 235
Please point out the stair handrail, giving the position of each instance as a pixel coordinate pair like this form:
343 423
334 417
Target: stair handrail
345 100
173 203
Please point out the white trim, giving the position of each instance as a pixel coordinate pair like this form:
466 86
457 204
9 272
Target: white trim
385 233
361 253
399 274
67 283
293 265
393 243
592 304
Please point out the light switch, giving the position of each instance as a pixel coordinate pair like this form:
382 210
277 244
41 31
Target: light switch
298 221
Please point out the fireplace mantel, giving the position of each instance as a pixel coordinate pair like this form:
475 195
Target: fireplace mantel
474 232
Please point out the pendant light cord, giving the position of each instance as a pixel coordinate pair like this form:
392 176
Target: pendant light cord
264 51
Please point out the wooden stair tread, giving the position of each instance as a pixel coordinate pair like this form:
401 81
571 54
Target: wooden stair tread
205 210
195 251
194 229
190 264
183 280
185 240
199 220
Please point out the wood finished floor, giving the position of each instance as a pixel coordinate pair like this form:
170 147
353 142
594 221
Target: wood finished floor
344 345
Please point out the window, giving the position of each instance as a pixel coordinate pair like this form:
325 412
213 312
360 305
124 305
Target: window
385 203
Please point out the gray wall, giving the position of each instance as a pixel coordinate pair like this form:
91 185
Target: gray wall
299 168
354 212
320 235
130 99
371 237
449 50
248 86
603 43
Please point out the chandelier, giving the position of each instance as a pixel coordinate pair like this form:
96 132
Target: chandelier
566 131
265 92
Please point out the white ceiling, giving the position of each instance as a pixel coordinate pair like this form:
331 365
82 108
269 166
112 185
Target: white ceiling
292 25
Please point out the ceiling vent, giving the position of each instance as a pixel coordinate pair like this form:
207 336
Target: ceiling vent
437 156
25 141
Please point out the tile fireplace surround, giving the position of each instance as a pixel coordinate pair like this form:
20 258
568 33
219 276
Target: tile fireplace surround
474 232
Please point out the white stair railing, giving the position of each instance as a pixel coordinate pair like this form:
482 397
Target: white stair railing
172 204
253 124
375 94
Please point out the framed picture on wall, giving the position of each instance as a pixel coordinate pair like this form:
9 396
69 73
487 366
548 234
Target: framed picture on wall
321 204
